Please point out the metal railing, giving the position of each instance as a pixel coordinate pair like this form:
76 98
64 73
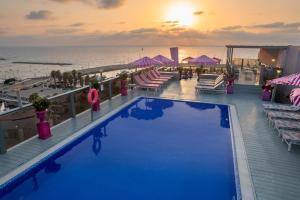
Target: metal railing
19 124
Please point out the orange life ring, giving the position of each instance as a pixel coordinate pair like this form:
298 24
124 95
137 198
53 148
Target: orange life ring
93 96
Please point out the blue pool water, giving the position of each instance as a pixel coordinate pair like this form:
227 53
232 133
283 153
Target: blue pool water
152 149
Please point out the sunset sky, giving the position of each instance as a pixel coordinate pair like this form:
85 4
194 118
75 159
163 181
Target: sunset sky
149 22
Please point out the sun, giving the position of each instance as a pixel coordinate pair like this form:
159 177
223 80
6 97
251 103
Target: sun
183 13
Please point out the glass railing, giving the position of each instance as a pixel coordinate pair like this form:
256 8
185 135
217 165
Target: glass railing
18 125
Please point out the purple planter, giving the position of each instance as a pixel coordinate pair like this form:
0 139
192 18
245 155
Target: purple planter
266 95
43 126
124 88
229 89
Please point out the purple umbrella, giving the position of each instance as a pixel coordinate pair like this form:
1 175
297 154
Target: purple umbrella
145 61
163 60
203 60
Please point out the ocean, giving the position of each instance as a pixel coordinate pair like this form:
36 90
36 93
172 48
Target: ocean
92 56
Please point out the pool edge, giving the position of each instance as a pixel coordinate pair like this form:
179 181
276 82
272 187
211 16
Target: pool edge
245 179
19 171
240 157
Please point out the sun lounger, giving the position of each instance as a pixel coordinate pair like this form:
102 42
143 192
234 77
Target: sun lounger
144 85
157 76
290 137
151 77
148 81
285 124
210 79
162 75
281 107
272 114
211 84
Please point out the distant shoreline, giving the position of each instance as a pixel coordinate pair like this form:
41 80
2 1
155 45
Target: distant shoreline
42 63
106 68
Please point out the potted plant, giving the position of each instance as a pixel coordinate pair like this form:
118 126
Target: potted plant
124 84
41 104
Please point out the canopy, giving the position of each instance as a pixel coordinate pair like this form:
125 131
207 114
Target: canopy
187 59
293 79
203 60
295 97
163 59
145 61
217 59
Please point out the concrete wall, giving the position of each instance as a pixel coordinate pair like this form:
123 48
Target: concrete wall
291 65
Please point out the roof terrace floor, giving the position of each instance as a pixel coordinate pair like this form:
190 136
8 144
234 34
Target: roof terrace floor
274 170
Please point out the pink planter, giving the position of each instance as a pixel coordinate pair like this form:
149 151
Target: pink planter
266 95
124 88
43 126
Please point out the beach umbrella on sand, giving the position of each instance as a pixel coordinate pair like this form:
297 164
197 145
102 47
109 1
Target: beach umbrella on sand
145 62
203 60
163 59
293 80
295 97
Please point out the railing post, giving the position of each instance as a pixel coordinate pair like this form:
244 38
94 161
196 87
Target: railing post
72 105
92 114
2 140
110 88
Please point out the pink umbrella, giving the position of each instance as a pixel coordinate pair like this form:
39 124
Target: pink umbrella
295 97
203 60
217 59
187 59
293 79
163 60
144 62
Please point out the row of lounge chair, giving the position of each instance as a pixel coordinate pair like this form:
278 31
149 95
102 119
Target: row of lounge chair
210 82
152 79
286 120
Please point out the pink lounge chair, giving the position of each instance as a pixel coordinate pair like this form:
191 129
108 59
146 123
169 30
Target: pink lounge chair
157 76
148 81
142 84
161 75
151 77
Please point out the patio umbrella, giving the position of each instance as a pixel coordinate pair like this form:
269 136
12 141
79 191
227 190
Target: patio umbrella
203 60
144 62
187 59
163 60
293 79
295 97
217 59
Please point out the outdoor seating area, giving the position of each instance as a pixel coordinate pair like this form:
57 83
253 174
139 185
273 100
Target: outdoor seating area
152 79
285 118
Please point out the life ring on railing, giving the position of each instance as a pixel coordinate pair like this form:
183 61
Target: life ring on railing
94 99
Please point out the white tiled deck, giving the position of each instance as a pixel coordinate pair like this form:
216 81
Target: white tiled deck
274 170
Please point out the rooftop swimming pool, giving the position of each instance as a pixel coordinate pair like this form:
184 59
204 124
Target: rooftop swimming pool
151 149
